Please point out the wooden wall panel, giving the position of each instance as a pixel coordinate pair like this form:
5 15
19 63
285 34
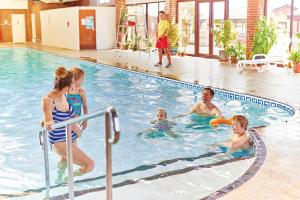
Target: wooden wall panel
6 30
87 36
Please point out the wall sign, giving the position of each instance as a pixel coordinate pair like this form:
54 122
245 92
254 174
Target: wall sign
89 22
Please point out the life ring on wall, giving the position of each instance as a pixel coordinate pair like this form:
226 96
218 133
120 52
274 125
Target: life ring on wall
221 120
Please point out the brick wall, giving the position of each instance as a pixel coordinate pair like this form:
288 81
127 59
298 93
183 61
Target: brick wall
255 10
171 9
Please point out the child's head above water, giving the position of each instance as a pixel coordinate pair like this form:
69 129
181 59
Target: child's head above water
239 124
161 115
78 75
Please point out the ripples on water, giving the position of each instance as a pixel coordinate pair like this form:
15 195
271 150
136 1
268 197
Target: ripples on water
26 76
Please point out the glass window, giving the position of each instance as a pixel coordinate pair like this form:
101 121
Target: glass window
186 22
104 1
140 10
204 28
238 16
296 18
161 6
218 15
152 21
279 12
137 13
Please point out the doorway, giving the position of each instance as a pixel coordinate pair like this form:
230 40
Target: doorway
87 29
200 15
18 28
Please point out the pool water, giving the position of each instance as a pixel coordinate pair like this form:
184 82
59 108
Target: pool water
26 75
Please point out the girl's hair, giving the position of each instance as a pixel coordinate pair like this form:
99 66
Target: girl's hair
163 111
242 120
63 78
77 73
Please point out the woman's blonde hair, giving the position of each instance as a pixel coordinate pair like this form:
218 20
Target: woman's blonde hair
77 73
242 120
63 78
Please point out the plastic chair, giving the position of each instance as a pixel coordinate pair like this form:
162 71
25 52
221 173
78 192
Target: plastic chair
259 61
278 54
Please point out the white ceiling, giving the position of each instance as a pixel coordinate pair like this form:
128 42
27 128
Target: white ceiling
13 4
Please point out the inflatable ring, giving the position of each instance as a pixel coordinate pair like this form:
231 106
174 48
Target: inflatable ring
221 120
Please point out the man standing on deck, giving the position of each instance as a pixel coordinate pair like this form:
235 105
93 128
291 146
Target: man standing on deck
162 39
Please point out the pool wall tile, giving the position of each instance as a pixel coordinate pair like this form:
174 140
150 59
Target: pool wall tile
218 92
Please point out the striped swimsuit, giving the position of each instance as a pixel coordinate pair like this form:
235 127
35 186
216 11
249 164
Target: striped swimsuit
59 134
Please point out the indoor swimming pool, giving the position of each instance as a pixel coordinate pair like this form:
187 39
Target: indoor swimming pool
26 75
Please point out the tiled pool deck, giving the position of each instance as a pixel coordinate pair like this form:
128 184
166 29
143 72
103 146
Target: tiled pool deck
279 176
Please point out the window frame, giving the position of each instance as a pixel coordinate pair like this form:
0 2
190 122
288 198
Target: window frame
291 17
146 13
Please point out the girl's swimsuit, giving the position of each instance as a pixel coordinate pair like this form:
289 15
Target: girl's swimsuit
75 101
162 126
59 134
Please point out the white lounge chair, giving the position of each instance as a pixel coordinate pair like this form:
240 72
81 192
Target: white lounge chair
277 54
259 62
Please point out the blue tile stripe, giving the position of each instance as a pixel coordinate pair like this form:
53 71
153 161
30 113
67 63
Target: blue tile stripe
195 87
218 92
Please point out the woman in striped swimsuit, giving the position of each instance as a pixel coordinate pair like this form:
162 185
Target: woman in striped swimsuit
56 109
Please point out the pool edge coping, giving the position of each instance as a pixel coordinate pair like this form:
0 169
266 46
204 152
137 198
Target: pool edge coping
260 156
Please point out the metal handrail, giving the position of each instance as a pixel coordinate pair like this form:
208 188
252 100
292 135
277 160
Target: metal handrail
109 113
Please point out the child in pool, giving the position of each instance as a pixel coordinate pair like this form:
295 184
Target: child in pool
161 123
76 96
240 140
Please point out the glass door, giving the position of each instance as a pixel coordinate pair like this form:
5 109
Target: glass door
218 14
208 11
186 24
204 28
152 21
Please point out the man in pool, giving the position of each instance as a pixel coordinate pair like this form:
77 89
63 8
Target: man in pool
205 108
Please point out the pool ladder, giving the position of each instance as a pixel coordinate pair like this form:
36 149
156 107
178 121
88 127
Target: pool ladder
110 114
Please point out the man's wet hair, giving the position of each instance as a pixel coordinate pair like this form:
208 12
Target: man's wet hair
212 92
163 12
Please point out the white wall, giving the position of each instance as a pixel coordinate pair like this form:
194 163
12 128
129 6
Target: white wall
56 32
140 1
33 27
106 27
13 4
18 28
